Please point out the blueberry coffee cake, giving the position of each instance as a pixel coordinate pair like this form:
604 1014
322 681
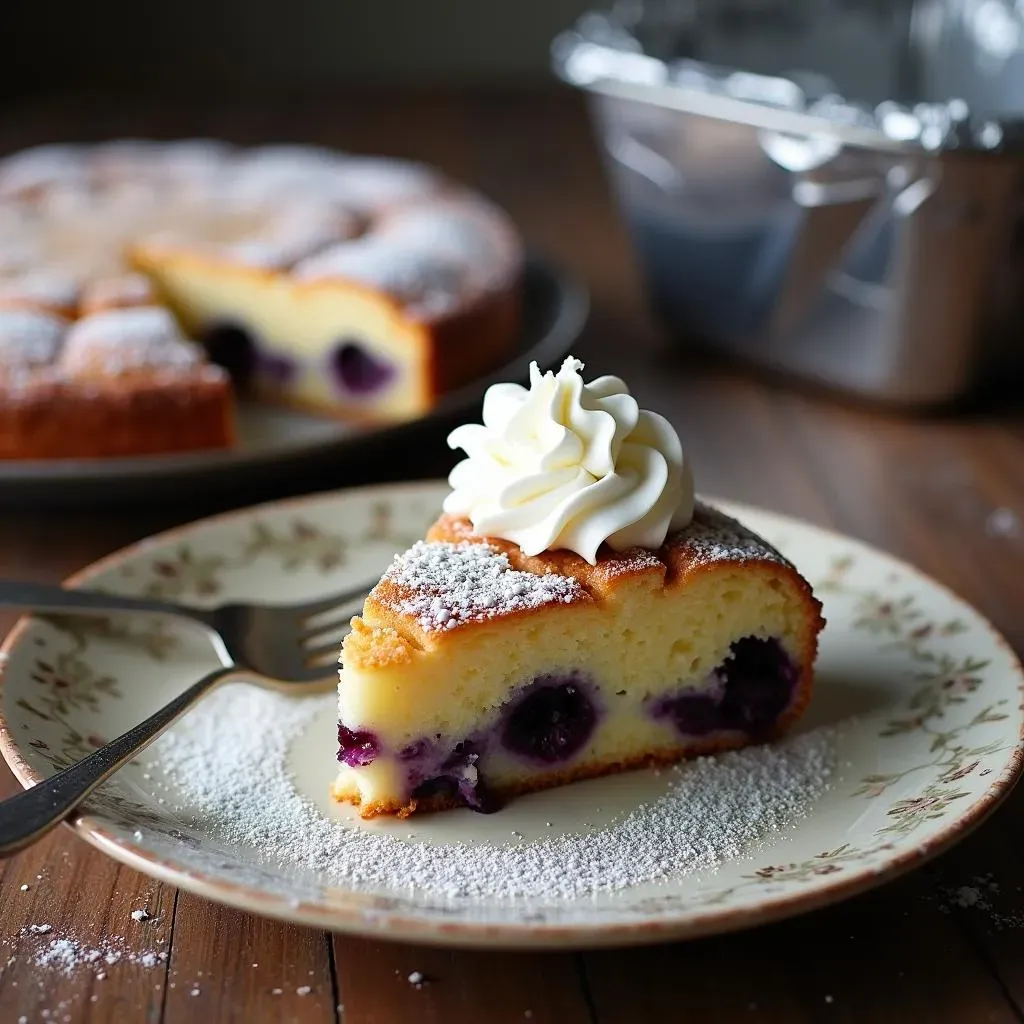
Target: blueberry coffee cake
573 612
351 286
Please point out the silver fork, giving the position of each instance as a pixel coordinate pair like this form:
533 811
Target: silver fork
285 647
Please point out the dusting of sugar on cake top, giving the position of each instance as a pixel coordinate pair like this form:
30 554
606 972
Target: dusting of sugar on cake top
28 338
444 585
453 229
712 536
121 340
38 167
424 258
291 234
407 275
82 208
374 182
43 288
116 291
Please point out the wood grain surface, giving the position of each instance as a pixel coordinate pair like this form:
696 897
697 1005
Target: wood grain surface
926 488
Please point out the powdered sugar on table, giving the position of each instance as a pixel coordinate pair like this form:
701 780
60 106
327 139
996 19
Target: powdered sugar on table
227 770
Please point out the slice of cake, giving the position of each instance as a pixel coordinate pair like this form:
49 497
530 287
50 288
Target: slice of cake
573 613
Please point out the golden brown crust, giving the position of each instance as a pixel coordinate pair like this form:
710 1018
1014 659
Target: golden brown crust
145 414
475 340
712 542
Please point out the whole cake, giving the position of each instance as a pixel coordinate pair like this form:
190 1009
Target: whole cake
574 612
352 286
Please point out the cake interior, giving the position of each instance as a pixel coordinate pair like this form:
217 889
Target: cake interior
573 691
335 348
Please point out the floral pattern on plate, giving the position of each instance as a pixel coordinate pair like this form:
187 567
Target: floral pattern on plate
927 696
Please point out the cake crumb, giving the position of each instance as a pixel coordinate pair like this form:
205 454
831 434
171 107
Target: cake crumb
303 990
140 915
418 979
276 991
24 887
40 929
828 999
967 896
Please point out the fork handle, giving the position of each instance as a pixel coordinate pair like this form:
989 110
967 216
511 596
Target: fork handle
30 815
52 598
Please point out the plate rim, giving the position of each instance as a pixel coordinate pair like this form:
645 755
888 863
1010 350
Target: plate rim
399 925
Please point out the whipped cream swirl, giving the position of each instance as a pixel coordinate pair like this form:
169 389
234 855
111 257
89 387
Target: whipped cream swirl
564 464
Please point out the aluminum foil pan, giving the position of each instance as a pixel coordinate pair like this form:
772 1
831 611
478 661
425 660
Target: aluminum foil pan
649 50
827 187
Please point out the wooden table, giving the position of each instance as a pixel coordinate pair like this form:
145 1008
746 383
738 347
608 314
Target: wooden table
925 489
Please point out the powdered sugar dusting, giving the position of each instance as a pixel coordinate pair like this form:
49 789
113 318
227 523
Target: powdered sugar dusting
132 338
42 288
28 338
67 955
228 767
713 536
122 290
445 585
38 167
81 211
425 258
405 274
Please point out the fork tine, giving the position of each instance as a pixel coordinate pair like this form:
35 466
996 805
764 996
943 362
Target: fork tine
307 611
318 655
331 627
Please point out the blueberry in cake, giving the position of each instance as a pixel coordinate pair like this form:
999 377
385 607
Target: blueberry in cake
573 612
352 286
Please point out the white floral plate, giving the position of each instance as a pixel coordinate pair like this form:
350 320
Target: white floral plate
926 698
